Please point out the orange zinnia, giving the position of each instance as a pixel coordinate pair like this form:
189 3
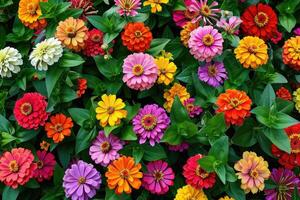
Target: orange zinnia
58 127
137 37
123 174
235 105
72 33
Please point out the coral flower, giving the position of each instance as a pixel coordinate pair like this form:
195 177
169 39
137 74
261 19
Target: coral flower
87 7
226 198
30 111
259 20
155 4
235 105
284 93
205 43
175 90
185 33
196 176
188 192
110 110
193 109
128 7
213 74
122 174
72 33
166 70
296 99
252 52
253 171
291 53
45 166
158 178
44 145
93 43
16 167
136 37
81 86
206 14
58 127
29 13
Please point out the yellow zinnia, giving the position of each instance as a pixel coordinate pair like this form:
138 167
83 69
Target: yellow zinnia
226 198
187 192
175 90
252 52
296 99
110 110
155 5
166 70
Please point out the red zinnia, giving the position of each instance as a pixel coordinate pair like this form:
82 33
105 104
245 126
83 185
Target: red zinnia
16 167
196 176
284 93
30 111
276 36
93 43
81 86
259 20
45 166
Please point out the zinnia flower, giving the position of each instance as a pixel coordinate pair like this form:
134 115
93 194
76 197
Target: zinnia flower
158 178
259 20
252 170
214 74
284 93
297 31
105 149
296 99
188 192
136 37
175 90
291 54
235 105
140 71
10 61
179 148
276 36
87 7
59 127
185 33
226 198
122 174
110 110
166 70
230 25
285 181
128 7
81 181
206 14
252 52
16 167
45 166
150 123
72 33
155 4
205 43
93 43
30 111
81 86
44 145
29 13
192 109
46 53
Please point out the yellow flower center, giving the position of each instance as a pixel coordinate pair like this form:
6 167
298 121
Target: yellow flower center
190 107
96 38
200 172
71 32
149 122
32 8
105 147
13 166
40 164
110 110
252 48
127 6
158 175
138 34
208 39
295 142
254 173
81 180
212 71
2 57
137 70
124 174
26 108
235 102
261 19
205 10
58 127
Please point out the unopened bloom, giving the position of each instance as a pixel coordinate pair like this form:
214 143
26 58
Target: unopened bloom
188 192
128 7
175 90
166 70
284 93
155 4
213 74
10 61
81 86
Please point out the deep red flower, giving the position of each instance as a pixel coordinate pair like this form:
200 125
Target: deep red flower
284 93
259 20
276 36
45 166
30 111
81 86
93 43
196 176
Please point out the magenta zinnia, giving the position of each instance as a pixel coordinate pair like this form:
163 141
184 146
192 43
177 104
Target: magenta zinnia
128 7
45 166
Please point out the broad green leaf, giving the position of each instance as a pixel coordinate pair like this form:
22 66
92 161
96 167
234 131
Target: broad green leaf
234 190
230 174
52 76
277 78
137 154
283 120
5 125
70 60
245 135
6 138
220 149
279 138
214 127
109 129
267 97
157 45
262 115
109 68
132 111
84 138
10 193
221 172
24 136
79 115
171 136
207 163
152 153
58 175
128 134
5 3
288 21
288 6
284 106
178 111
100 23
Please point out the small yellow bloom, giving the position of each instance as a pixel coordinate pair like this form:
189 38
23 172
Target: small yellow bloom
187 192
155 5
175 90
110 110
296 99
166 70
252 52
44 145
226 198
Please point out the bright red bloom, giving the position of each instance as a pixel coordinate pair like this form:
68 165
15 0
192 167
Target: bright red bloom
196 176
30 111
16 167
45 166
93 43
81 86
259 20
284 93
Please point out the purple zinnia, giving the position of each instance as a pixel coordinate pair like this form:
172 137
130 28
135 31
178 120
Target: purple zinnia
193 109
105 149
214 74
180 147
297 31
158 178
150 123
205 43
81 181
285 181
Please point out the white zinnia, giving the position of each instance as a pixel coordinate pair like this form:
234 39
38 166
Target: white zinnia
46 53
10 59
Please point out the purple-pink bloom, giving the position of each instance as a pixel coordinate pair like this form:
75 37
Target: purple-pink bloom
297 31
229 25
128 7
150 123
180 147
181 17
105 149
81 181
214 74
158 178
205 43
205 13
140 71
192 109
285 181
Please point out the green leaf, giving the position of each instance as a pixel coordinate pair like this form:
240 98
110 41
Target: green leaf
220 149
262 115
221 172
230 174
137 154
171 136
84 138
288 6
101 23
284 106
10 193
108 68
24 136
235 191
178 112
207 163
157 45
283 120
6 138
58 175
187 129
267 97
264 143
214 127
5 3
279 138
245 135
109 129
132 111
5 125
128 134
79 115
288 21
186 74
52 76
152 153
33 184
70 60
68 94
277 78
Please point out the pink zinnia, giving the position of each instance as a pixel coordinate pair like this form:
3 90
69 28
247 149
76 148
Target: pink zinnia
128 7
180 147
158 178
193 109
105 149
230 25
140 71
206 13
181 17
205 43
45 166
